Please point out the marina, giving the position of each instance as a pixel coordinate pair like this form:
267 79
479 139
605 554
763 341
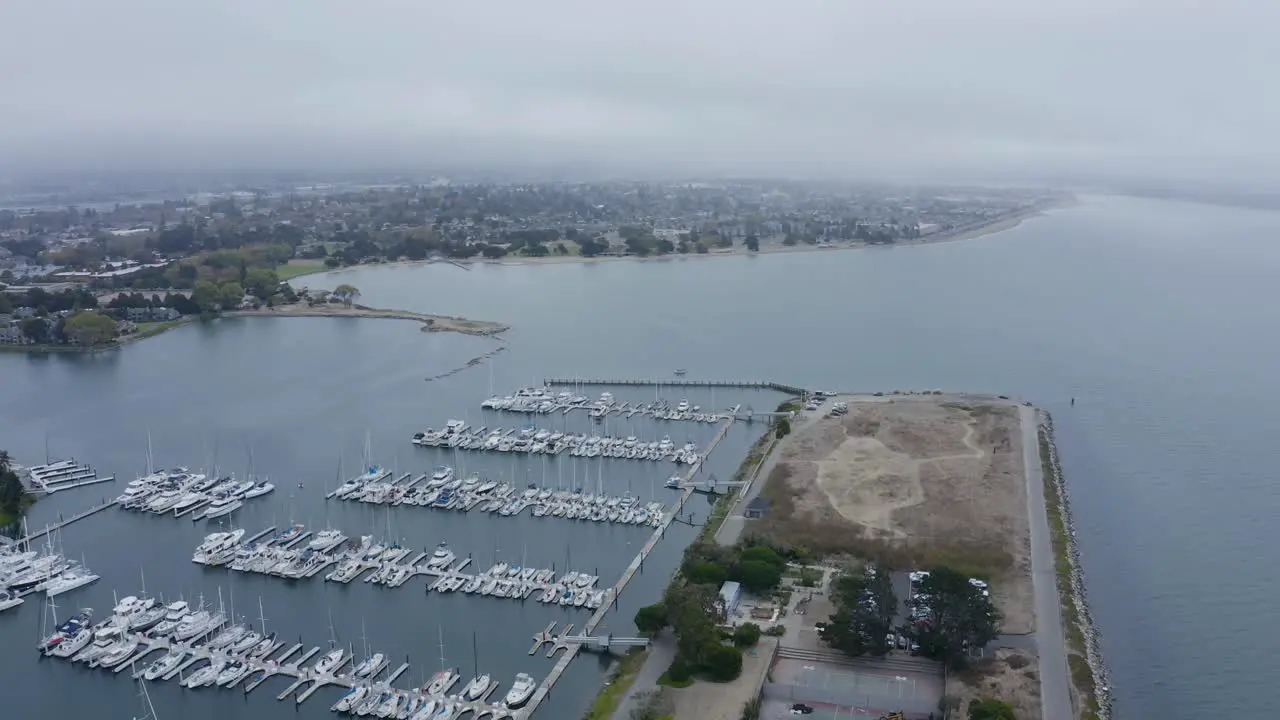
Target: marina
457 434
202 650
545 400
443 490
180 492
295 554
52 477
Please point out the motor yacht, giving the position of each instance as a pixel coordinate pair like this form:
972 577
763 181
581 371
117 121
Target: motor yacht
9 600
70 579
72 644
224 505
326 539
259 490
118 653
188 500
196 624
441 557
72 626
476 687
164 500
105 637
520 692
144 620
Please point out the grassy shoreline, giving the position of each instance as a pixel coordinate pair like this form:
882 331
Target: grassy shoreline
1084 658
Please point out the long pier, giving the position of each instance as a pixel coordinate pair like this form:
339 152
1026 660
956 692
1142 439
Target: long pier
572 648
63 522
681 382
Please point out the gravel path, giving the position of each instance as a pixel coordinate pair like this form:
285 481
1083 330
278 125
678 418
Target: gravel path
1055 693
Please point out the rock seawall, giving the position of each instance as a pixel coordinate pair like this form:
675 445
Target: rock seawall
1081 617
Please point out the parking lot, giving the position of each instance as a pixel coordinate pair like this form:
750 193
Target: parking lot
780 709
875 690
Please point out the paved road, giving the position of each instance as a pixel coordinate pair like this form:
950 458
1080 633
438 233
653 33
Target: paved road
1055 693
661 652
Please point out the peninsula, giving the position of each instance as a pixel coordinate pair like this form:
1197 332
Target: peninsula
888 512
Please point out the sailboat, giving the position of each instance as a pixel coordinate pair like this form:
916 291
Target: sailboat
148 708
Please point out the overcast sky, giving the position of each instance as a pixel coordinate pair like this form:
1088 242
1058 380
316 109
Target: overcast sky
855 88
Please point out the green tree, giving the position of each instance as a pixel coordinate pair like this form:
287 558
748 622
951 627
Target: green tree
230 295
954 615
865 606
989 709
650 619
206 296
752 242
692 612
707 572
6 305
346 294
781 428
36 330
89 328
757 576
262 283
722 663
11 494
746 635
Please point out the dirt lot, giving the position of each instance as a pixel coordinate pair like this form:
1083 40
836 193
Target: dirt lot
916 481
1011 676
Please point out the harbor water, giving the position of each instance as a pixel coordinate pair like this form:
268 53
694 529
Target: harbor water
1155 317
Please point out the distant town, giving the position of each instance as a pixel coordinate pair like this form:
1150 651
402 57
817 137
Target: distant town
89 275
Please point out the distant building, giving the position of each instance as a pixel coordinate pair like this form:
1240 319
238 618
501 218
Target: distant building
11 333
757 508
151 314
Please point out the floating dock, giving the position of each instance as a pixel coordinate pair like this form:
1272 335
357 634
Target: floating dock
572 648
64 522
678 382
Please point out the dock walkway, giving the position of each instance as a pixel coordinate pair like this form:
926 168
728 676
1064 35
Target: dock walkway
63 522
680 382
572 648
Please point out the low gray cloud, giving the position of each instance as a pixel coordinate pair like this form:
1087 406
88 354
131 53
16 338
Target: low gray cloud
909 88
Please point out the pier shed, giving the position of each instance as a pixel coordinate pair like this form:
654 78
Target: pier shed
730 594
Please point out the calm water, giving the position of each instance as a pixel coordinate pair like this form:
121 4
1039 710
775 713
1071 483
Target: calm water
1157 317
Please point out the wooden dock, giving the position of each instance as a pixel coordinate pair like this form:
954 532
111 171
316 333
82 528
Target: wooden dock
572 649
680 382
63 522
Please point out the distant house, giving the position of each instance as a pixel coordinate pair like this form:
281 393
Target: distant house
11 333
757 508
23 313
156 314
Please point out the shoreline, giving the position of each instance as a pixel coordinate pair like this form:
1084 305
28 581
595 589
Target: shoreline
1005 223
430 323
1079 629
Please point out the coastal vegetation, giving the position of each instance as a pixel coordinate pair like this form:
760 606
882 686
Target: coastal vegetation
14 499
616 687
1076 624
990 709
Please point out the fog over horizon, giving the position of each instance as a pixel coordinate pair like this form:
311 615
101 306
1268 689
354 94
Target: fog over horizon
911 90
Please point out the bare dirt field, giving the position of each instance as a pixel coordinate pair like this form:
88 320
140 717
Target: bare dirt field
913 482
1011 675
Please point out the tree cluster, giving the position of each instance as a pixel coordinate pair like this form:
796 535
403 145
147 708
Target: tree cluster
758 568
950 614
88 328
46 302
11 492
865 608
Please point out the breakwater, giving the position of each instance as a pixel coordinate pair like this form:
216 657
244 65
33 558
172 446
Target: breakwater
1082 635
